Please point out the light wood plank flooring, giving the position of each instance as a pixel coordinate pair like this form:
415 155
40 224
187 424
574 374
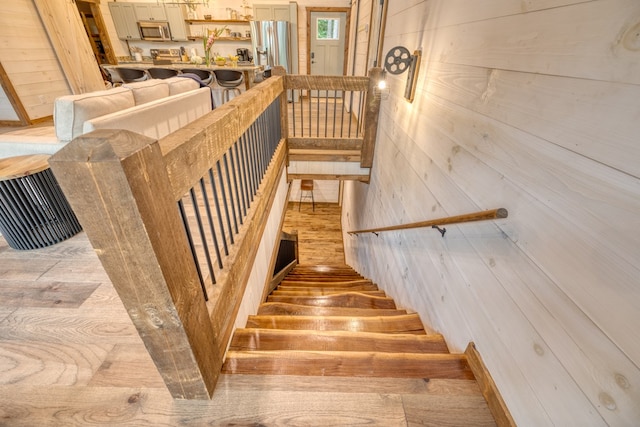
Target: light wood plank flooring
70 356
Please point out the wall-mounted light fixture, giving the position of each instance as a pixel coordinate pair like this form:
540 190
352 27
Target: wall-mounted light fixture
382 89
399 60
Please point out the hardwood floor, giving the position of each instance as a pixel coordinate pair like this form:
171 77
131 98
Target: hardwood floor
70 356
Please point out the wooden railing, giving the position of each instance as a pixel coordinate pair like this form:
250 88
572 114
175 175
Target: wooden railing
176 222
436 223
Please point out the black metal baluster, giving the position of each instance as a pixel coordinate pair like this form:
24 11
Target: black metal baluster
235 173
233 206
224 201
216 200
203 237
245 170
216 245
185 221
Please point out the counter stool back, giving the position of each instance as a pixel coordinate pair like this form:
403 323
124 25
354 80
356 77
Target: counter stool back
206 76
230 80
130 75
162 73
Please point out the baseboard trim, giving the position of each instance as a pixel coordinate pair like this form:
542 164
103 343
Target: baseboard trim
491 394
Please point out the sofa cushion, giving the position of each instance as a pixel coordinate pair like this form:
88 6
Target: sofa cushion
158 118
148 90
71 111
180 85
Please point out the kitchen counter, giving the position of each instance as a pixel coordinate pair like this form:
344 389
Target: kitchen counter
249 71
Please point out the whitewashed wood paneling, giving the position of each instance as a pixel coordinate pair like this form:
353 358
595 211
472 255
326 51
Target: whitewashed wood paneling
327 168
29 59
531 106
323 192
6 109
252 297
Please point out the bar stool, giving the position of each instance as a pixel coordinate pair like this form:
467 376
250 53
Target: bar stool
230 80
162 73
306 186
206 76
130 75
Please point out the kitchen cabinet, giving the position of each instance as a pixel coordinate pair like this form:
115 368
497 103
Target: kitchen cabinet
150 12
125 21
275 12
176 22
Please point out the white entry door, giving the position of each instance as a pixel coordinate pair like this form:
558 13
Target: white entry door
328 34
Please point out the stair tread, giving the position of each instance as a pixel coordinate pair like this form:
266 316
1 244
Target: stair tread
407 323
348 363
348 299
283 339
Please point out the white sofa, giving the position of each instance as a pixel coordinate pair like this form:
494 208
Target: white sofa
153 108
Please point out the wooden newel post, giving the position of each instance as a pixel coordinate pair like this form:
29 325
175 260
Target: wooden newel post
117 184
371 113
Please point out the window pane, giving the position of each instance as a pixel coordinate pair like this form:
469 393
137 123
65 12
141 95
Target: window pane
328 29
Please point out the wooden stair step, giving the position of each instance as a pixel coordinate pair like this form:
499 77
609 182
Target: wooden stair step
320 278
283 308
322 292
335 284
281 339
405 323
325 268
347 363
328 288
348 299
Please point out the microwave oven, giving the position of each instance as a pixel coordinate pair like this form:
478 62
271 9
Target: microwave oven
154 30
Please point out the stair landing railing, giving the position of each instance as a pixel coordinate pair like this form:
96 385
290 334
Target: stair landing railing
437 223
177 222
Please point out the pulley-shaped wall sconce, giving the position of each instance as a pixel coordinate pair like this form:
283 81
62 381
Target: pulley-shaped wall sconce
399 60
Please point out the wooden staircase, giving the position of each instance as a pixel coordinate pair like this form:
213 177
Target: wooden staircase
330 321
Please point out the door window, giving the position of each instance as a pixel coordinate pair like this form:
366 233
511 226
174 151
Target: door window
328 29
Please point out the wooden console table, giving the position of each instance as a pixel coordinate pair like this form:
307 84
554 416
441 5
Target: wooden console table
33 211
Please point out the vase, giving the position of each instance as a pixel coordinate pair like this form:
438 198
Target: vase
207 58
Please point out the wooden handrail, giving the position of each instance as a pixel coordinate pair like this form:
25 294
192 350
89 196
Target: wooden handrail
435 223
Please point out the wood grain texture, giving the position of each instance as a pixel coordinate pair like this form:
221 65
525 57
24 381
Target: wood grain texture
409 323
147 257
344 299
79 64
491 394
283 308
514 106
346 363
270 339
87 365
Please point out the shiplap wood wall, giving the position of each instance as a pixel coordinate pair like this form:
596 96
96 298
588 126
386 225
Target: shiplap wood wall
29 60
323 192
252 297
532 106
45 53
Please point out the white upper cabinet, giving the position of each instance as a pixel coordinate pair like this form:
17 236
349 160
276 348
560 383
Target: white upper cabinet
150 12
177 25
125 21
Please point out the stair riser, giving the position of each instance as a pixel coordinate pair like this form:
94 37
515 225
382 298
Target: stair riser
276 308
344 300
409 324
346 364
270 340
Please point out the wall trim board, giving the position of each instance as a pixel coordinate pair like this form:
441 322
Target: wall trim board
488 387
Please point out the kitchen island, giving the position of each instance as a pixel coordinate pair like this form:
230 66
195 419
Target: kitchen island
249 71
